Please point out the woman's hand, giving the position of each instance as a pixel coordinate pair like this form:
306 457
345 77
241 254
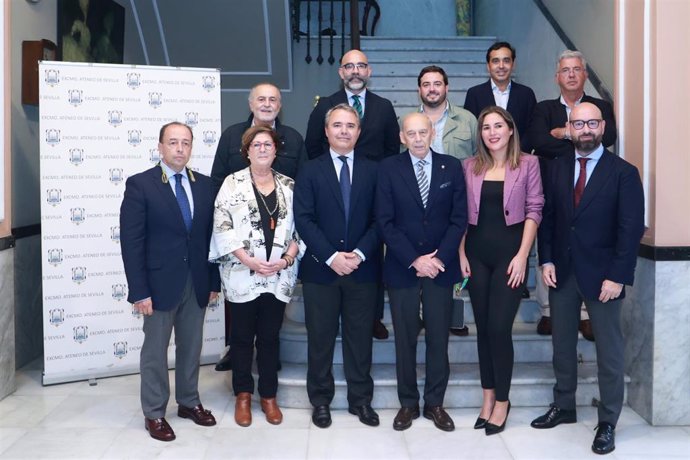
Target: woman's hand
263 268
516 270
465 265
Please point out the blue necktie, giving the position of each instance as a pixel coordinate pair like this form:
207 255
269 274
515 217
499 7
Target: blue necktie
183 202
345 185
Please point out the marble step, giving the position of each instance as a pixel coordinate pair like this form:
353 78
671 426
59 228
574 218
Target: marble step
394 43
532 386
417 61
431 54
528 346
407 81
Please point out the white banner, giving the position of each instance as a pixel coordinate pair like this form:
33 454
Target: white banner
99 125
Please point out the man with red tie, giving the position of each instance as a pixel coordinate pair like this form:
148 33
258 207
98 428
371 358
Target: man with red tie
588 240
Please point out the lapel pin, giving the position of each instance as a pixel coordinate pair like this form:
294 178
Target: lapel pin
443 166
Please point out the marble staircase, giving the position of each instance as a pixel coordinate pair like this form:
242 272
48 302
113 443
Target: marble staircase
396 63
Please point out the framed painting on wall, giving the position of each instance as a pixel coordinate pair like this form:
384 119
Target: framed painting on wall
91 31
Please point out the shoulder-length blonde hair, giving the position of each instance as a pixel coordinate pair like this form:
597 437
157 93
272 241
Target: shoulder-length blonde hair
484 161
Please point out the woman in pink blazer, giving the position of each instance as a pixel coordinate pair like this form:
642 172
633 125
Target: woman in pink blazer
504 202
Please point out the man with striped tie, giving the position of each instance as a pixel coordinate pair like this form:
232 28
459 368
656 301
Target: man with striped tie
421 214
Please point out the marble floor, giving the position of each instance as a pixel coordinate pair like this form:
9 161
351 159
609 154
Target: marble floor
80 421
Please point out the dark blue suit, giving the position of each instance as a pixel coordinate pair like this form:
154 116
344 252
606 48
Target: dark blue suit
320 222
594 242
521 102
410 230
380 131
170 265
157 251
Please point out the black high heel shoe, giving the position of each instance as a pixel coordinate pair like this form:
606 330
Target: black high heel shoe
480 423
490 428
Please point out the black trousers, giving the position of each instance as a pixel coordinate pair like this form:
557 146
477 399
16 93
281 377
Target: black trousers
256 322
325 306
437 304
495 305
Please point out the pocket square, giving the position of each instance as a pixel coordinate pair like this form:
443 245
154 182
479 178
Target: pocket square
445 184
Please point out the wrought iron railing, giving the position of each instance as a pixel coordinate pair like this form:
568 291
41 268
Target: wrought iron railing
330 27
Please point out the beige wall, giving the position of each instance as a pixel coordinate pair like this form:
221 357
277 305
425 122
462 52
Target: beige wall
590 25
658 146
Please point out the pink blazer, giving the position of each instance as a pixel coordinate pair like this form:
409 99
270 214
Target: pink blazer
523 197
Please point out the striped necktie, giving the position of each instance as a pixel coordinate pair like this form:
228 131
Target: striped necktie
357 105
422 181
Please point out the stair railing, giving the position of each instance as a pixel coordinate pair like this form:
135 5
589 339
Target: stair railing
352 38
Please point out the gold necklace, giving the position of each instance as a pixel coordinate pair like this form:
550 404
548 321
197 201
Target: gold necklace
272 222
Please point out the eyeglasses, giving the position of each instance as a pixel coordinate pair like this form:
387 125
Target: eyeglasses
579 124
266 145
351 66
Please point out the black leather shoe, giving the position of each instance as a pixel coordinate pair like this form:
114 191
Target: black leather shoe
321 416
544 326
440 417
379 331
224 364
366 414
480 424
525 293
403 420
463 331
604 440
554 416
490 428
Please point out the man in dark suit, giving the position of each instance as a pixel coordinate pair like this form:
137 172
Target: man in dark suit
588 243
501 90
265 104
379 129
421 214
166 219
549 135
334 215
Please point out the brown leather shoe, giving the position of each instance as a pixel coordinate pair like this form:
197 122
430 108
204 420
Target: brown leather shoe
159 429
585 328
380 332
404 417
243 409
544 326
198 414
440 417
269 406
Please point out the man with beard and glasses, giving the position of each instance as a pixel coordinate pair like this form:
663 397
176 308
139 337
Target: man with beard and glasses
378 137
549 135
456 135
264 105
593 221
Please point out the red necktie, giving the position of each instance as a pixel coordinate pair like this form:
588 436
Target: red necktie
581 180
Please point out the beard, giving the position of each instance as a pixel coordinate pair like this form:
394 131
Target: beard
587 145
355 83
433 104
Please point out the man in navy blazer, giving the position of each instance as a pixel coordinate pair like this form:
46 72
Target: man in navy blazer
340 271
379 125
500 90
588 242
378 137
549 135
421 214
166 220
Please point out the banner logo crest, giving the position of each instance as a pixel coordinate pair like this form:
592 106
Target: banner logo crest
76 156
81 333
115 234
116 176
119 291
191 118
52 137
75 96
79 274
155 99
120 349
133 80
52 77
56 316
134 137
77 215
115 117
54 196
54 257
209 138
